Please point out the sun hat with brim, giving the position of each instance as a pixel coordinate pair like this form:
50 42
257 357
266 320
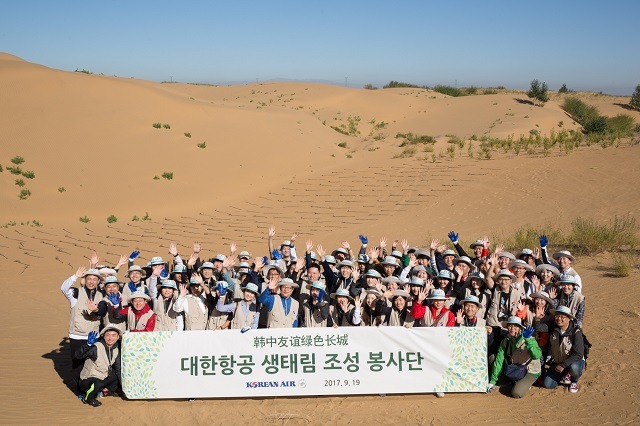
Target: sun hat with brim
445 275
273 264
541 295
179 269
110 327
515 321
520 263
400 293
252 288
285 243
194 281
313 255
412 250
156 260
564 253
373 274
415 281
391 279
374 292
362 258
389 260
503 273
437 294
449 253
244 265
287 281
244 254
108 271
341 292
318 285
111 280
476 243
139 295
397 254
422 253
330 259
547 267
340 250
219 258
506 254
168 284
94 272
206 265
525 252
568 279
563 310
464 259
471 299
475 276
345 263
135 268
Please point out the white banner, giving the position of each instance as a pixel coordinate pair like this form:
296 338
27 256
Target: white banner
304 361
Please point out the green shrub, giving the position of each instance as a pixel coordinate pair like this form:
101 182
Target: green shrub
448 90
393 84
621 125
342 144
167 175
156 177
622 266
20 182
17 160
146 216
370 86
29 174
589 237
202 145
635 99
85 219
538 92
595 125
15 170
411 139
409 151
490 92
24 194
563 89
187 134
166 126
1 169
135 218
112 219
157 125
61 189
471 90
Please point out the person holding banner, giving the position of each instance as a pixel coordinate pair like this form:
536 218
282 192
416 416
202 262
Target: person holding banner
346 311
282 308
518 357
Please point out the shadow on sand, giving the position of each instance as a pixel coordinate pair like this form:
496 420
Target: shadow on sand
61 358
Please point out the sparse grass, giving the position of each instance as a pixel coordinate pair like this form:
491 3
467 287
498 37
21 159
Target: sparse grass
156 177
411 139
1 169
29 174
85 219
167 175
448 90
135 218
24 194
14 170
202 145
187 134
349 156
369 86
373 148
146 216
112 219
451 152
622 265
157 125
61 189
342 144
490 92
17 160
409 151
166 126
20 182
36 223
83 71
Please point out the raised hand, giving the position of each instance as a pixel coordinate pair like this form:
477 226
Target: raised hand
233 247
222 289
405 245
114 298
321 251
485 242
134 254
536 283
459 317
539 312
309 246
459 270
272 231
553 292
413 261
355 274
197 277
357 302
164 274
441 248
92 338
196 247
80 272
422 294
528 332
453 236
321 295
499 249
395 244
122 261
91 306
363 239
132 287
544 241
229 262
173 249
183 290
434 245
94 259
428 284
374 253
383 242
192 260
294 237
257 264
346 245
536 253
276 254
273 283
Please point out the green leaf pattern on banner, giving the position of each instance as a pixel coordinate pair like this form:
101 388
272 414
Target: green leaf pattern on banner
467 369
138 361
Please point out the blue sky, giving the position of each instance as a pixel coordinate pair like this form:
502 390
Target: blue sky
589 45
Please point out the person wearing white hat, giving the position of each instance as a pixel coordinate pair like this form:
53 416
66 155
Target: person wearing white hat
547 275
282 309
567 350
346 311
84 316
480 247
518 357
399 315
571 298
504 303
220 320
245 312
463 267
111 301
442 258
565 261
101 368
436 314
167 318
467 316
287 251
374 309
314 311
521 282
136 276
194 304
476 285
140 317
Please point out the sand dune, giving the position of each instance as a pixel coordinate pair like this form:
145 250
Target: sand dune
271 157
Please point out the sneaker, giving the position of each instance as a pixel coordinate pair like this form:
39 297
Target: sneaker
440 394
574 388
93 402
566 380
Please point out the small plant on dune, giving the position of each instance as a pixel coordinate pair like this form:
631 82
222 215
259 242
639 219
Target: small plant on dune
146 216
1 169
36 223
157 125
588 236
187 134
635 99
563 89
490 92
202 145
135 218
24 194
166 126
411 139
393 84
20 182
14 170
622 265
112 219
17 160
409 151
83 71
156 177
342 144
448 90
85 219
167 175
451 152
369 86
29 174
538 92
61 189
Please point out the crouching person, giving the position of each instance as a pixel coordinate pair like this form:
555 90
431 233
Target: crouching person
566 346
518 357
102 364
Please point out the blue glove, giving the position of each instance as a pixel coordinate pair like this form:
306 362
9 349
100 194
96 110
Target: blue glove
164 274
265 260
222 290
364 240
132 287
528 332
276 255
453 237
134 254
114 298
93 338
245 329
321 296
543 241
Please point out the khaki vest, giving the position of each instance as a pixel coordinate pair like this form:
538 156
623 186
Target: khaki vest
560 346
429 321
239 321
142 322
277 318
578 298
333 313
217 319
315 319
82 322
195 319
110 319
165 321
101 367
492 314
521 355
395 320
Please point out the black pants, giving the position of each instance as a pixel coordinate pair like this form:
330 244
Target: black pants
76 363
93 386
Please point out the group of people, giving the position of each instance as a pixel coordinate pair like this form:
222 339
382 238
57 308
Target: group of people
530 303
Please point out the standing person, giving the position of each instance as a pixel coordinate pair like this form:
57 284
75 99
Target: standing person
374 309
521 282
547 275
436 314
167 318
399 314
282 308
111 301
571 298
519 357
565 261
136 276
314 311
140 317
101 368
194 304
219 320
480 247
466 317
245 311
504 304
82 319
566 346
346 311
476 285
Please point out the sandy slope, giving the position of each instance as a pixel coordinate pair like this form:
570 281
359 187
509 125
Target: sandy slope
270 160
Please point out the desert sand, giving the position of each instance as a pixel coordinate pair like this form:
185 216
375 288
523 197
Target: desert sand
271 158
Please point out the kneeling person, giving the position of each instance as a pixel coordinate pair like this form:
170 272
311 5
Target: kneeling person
102 364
